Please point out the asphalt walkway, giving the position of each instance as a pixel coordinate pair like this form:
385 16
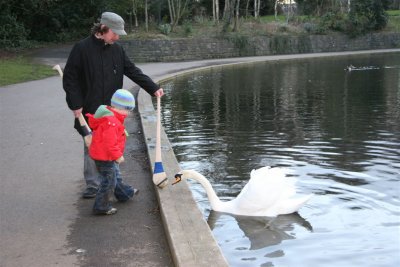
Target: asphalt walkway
43 219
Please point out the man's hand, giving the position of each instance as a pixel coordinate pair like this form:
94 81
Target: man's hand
120 160
77 112
159 93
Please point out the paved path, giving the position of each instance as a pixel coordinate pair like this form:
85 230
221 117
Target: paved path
43 220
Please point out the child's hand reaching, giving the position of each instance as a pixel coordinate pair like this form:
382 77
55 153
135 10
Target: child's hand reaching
120 160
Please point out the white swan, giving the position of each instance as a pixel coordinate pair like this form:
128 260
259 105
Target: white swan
268 193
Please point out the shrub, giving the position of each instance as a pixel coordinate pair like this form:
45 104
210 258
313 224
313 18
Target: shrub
335 21
309 27
165 29
283 27
366 16
188 29
13 34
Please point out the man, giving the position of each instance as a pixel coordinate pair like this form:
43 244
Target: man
94 71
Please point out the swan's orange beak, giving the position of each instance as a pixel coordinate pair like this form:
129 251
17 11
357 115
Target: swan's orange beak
178 178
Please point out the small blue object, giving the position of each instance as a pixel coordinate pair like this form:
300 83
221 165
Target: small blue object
158 167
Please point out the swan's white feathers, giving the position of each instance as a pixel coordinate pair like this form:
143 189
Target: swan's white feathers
268 193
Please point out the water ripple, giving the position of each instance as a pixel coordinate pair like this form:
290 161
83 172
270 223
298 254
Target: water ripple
339 136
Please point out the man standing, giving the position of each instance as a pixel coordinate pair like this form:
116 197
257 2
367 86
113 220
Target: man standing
94 71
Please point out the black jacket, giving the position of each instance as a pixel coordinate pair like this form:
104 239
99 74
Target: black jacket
94 71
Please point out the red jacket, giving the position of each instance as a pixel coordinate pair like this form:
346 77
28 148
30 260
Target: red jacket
109 137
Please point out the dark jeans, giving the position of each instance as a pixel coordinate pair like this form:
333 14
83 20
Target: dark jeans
110 183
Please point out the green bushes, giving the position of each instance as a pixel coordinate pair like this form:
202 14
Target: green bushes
335 21
165 28
366 16
240 42
13 33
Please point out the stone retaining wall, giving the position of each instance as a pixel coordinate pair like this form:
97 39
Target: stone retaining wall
209 48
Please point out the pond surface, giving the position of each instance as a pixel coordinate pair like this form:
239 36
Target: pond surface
338 132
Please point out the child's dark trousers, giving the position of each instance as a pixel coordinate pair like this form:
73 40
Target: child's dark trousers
110 183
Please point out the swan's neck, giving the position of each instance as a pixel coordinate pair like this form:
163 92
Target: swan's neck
212 196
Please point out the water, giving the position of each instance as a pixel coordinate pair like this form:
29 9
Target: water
337 131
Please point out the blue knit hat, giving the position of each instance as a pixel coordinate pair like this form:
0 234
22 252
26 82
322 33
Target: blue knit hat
123 99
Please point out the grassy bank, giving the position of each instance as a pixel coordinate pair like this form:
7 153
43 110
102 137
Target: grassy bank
394 21
17 69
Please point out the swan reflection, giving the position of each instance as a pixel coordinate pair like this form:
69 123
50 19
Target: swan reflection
262 231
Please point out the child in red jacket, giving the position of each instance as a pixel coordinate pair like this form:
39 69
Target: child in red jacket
107 149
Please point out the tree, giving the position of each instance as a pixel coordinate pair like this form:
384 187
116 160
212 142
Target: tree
395 4
247 8
228 14
227 10
13 32
215 9
368 15
146 15
289 10
236 20
257 4
135 7
311 7
177 9
276 9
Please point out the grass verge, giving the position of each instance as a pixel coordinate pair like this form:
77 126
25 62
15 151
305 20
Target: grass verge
394 20
20 69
